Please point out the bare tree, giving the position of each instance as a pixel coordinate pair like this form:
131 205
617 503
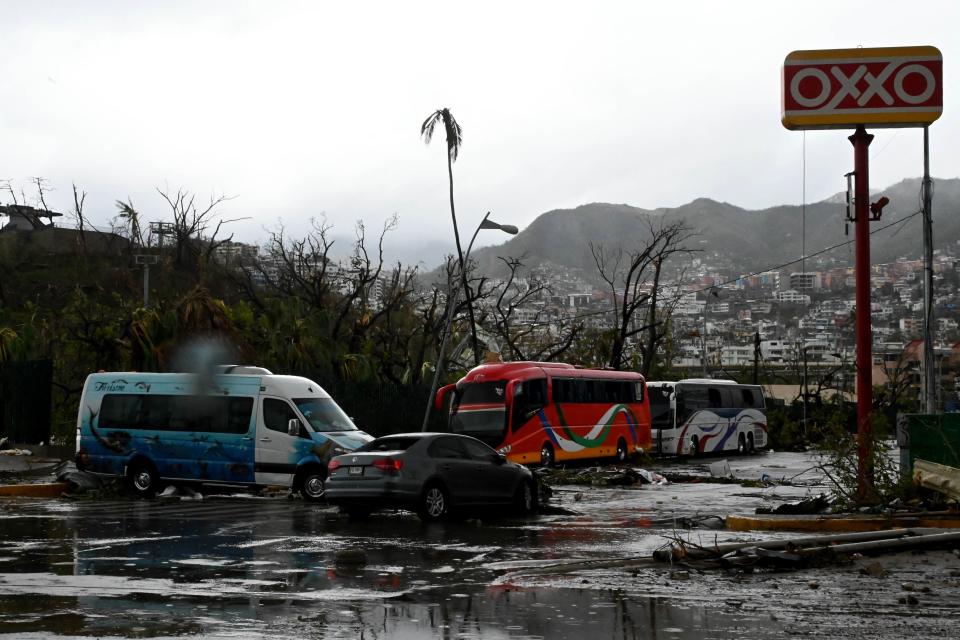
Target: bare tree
79 219
192 224
43 187
7 185
538 337
638 274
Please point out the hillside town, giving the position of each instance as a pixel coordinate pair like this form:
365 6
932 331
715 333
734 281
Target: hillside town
723 322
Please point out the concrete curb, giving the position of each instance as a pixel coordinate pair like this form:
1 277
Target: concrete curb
44 490
826 524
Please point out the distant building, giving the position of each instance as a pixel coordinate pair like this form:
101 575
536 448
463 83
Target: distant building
791 296
805 281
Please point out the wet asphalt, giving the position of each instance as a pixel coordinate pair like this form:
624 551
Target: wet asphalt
243 566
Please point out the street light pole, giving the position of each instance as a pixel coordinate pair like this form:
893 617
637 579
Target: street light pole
454 295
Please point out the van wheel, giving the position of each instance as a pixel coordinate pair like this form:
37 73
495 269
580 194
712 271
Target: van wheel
750 447
741 444
525 499
310 484
547 458
143 478
622 451
434 503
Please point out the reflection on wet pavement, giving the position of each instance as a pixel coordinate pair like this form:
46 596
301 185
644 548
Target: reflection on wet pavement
236 567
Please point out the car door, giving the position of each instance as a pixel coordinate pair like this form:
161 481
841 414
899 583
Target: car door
491 478
454 468
276 449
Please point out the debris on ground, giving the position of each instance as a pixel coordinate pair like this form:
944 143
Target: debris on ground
720 469
83 481
809 506
803 552
938 477
599 476
171 492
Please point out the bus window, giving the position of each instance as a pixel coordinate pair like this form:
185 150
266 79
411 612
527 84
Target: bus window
748 400
714 398
691 399
530 396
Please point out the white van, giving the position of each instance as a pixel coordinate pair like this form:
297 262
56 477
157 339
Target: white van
703 416
242 426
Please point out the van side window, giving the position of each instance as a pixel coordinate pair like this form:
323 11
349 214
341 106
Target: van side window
276 414
206 414
119 412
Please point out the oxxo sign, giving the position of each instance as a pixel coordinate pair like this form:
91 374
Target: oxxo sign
844 88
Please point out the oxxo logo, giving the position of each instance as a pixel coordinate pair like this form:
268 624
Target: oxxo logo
847 88
862 85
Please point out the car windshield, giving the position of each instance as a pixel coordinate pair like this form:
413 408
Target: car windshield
324 414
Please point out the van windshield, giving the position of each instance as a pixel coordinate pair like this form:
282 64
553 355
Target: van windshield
324 414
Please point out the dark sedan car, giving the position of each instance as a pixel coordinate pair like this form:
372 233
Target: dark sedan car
429 473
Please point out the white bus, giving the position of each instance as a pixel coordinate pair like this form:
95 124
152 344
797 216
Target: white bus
696 417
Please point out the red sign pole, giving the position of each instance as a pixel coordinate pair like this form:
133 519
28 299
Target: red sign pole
861 166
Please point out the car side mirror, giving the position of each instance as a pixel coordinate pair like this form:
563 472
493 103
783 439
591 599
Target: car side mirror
293 427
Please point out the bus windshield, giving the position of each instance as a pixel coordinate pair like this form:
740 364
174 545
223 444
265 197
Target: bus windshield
660 415
324 414
479 409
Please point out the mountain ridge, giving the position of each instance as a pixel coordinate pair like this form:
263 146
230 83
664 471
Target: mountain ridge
748 240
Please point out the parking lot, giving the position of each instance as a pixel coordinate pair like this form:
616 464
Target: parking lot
246 566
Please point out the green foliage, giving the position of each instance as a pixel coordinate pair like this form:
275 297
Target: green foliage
840 447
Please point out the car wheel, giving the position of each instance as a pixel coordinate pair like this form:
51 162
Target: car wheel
143 478
525 499
311 484
546 455
750 447
622 452
741 444
434 503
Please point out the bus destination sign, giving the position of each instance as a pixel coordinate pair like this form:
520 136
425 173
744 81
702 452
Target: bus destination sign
846 88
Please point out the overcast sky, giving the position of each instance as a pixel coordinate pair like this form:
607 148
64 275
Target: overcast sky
301 109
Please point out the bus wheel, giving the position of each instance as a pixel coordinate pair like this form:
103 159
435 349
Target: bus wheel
750 447
546 455
143 478
434 503
741 444
310 484
622 452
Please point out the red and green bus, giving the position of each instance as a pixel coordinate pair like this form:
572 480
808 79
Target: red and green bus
547 412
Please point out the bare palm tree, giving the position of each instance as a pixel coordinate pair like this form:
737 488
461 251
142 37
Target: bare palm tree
454 140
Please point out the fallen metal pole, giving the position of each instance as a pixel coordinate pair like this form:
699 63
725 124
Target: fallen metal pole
913 542
665 555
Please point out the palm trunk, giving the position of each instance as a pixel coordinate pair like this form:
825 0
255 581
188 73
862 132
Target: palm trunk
463 266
